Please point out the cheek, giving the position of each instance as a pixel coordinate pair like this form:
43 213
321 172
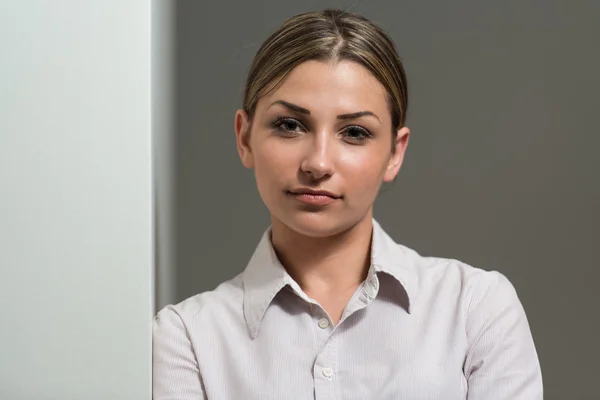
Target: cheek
363 170
272 163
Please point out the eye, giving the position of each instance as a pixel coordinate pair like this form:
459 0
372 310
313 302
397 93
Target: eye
287 125
356 134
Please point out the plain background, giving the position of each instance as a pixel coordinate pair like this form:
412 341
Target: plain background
76 233
502 170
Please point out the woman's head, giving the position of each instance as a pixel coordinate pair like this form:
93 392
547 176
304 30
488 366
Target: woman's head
324 109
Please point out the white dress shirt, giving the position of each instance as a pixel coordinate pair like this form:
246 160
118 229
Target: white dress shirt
417 328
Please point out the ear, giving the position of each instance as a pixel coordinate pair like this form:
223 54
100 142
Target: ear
396 159
242 133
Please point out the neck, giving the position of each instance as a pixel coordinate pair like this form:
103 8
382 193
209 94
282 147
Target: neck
325 264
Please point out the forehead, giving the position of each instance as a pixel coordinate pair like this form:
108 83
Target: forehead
339 87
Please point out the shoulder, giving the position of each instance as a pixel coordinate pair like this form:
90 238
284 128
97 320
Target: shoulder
477 280
223 303
181 333
482 307
471 287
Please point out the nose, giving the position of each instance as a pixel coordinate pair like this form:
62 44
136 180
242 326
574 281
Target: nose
318 162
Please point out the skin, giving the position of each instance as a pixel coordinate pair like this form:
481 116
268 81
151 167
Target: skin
326 249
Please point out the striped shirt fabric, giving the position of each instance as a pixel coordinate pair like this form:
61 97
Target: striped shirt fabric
416 328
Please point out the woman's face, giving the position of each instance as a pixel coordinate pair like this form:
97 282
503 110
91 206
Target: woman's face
326 128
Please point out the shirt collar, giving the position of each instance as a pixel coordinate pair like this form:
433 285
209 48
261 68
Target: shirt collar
264 275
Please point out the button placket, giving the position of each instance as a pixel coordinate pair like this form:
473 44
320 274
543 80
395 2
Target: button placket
323 323
324 370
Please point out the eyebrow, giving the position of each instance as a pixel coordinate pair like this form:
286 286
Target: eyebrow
303 110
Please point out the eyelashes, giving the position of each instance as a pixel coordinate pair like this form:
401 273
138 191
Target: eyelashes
286 125
291 127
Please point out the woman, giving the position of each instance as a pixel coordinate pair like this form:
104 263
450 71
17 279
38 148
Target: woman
329 306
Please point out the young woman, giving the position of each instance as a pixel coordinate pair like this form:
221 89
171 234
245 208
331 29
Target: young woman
329 306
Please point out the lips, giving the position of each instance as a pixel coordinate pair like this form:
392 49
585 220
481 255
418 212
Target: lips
311 192
314 197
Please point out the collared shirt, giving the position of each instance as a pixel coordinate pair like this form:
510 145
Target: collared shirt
417 328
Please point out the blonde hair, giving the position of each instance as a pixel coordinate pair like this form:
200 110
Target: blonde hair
329 35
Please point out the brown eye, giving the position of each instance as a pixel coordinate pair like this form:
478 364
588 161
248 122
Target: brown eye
356 134
287 126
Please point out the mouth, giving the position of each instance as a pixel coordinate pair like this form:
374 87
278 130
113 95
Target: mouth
314 197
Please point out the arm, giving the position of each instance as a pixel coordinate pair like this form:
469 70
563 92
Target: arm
175 373
501 361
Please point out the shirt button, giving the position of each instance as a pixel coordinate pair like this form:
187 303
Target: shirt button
323 323
327 372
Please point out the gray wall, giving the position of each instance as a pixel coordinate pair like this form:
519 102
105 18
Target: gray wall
76 250
501 172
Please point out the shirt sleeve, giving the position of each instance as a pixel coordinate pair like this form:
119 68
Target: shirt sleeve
502 361
175 372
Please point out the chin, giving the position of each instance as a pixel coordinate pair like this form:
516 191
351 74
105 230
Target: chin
317 224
